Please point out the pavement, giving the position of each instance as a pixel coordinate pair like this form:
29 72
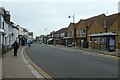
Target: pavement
18 67
115 54
0 61
0 68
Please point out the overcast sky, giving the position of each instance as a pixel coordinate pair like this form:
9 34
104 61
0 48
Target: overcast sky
36 15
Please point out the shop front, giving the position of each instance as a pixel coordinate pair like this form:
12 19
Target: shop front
68 40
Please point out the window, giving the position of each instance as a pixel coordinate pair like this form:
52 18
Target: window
83 31
95 39
63 34
57 34
72 33
77 31
80 32
67 34
3 25
60 34
90 38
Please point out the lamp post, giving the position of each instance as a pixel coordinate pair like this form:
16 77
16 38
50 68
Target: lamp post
86 33
73 28
105 27
73 16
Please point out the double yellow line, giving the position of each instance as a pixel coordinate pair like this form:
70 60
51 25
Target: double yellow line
43 73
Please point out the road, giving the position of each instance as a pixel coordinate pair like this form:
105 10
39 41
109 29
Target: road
64 63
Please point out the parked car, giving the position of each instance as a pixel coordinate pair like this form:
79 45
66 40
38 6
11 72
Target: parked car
69 45
74 44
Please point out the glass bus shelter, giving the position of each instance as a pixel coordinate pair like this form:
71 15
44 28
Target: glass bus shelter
103 41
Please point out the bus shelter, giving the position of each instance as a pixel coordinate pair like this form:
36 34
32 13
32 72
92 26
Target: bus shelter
103 41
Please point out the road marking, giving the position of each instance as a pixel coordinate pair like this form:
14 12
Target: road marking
43 73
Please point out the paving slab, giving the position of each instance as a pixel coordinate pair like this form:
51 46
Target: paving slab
15 67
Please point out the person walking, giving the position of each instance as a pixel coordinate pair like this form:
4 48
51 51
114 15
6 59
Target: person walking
15 47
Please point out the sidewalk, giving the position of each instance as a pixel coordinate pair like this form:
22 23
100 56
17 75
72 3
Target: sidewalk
0 61
15 67
0 67
91 50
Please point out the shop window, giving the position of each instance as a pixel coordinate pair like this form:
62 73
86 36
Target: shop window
95 39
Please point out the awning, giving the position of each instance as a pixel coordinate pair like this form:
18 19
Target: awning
50 39
67 37
102 34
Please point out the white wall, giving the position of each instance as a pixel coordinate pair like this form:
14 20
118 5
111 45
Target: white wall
15 31
20 30
8 37
25 33
1 29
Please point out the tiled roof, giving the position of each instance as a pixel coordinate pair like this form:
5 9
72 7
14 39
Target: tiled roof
62 30
71 25
88 22
59 31
111 18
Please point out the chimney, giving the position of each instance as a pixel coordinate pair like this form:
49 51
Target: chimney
7 16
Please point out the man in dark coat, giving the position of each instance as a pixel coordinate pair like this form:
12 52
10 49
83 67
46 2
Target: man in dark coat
15 47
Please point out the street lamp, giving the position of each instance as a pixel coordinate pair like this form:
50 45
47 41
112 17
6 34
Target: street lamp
73 16
74 28
105 27
86 33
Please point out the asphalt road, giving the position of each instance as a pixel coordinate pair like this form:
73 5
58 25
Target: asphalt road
64 63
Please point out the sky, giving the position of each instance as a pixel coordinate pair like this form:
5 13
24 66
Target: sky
44 16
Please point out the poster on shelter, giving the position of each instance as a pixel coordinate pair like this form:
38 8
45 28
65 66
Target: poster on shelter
111 42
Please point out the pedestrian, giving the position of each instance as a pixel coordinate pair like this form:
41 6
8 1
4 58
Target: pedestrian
15 47
29 44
